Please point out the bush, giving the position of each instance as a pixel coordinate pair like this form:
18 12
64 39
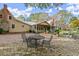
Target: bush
58 30
1 30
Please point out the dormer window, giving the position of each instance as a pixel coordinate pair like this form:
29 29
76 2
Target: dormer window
10 17
0 15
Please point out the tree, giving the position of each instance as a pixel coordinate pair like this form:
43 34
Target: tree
56 5
58 31
21 17
73 18
38 17
74 23
43 5
63 18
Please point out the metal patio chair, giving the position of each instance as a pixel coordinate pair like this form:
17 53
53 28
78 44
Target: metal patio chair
23 35
47 42
25 39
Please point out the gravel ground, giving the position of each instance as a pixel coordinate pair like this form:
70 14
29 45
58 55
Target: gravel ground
60 46
10 38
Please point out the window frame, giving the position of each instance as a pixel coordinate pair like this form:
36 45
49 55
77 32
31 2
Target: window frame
23 26
1 16
13 26
10 17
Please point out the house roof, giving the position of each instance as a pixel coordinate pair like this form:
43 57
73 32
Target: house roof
30 23
44 23
6 11
21 21
49 21
35 23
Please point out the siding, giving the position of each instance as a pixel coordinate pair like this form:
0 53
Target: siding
18 26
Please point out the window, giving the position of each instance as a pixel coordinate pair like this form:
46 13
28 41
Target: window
22 25
10 17
13 25
0 16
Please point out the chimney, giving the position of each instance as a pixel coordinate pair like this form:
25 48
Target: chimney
5 6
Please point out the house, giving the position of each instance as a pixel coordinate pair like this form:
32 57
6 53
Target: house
42 26
53 23
9 23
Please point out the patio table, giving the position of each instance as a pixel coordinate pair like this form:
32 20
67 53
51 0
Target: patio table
36 38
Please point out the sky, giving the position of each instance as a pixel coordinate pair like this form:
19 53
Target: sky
18 9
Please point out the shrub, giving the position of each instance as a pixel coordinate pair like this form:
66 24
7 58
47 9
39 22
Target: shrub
57 31
1 30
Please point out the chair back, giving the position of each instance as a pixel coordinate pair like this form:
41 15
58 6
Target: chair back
51 38
24 37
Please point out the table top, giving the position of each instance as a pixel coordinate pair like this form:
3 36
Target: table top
36 37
